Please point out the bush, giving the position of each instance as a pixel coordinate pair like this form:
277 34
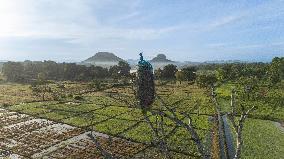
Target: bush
78 98
5 105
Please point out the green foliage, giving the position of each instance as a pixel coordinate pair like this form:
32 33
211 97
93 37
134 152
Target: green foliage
234 71
189 73
113 117
120 70
97 84
80 98
169 71
98 72
13 71
28 71
124 68
276 70
248 86
269 101
180 76
158 73
114 72
206 80
41 87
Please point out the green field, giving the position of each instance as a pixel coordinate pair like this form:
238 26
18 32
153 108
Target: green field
99 112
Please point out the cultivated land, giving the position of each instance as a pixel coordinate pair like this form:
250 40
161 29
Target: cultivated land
32 128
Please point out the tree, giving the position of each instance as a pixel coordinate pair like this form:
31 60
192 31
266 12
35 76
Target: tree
180 76
158 73
124 68
189 73
281 68
97 84
40 87
13 71
120 70
169 71
114 71
28 71
224 72
220 74
206 80
99 72
276 70
237 122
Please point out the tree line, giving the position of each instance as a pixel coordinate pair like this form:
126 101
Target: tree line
206 75
28 71
203 75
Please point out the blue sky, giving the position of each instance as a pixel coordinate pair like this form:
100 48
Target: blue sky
184 30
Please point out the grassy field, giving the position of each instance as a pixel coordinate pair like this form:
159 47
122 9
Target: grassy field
104 113
262 138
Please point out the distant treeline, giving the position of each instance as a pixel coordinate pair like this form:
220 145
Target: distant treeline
233 71
208 74
273 72
28 71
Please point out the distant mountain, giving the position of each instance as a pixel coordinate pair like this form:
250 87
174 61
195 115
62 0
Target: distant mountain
161 58
103 57
161 61
107 59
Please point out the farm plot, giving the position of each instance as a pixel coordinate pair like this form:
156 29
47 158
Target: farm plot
31 136
82 147
11 94
104 114
37 138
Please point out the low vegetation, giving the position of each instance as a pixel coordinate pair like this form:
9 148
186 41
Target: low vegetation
182 122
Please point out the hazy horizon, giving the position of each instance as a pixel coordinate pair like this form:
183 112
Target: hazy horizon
148 58
199 31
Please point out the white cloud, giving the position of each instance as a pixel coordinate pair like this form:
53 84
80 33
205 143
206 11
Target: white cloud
96 24
233 46
223 21
61 19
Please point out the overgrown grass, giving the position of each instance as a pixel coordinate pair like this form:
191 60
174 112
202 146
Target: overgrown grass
262 139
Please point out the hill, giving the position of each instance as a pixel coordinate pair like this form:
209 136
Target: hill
161 58
103 57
